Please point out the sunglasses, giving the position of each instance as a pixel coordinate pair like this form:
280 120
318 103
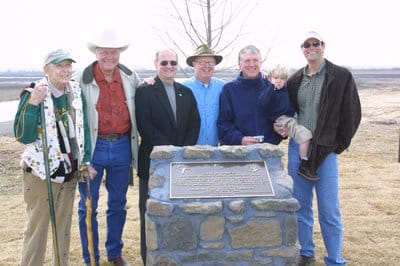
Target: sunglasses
172 63
314 44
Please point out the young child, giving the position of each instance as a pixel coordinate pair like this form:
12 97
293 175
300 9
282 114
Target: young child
277 104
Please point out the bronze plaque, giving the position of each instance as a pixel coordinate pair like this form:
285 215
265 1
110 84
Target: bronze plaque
220 179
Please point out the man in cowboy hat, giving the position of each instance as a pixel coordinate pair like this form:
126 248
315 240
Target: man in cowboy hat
109 88
206 90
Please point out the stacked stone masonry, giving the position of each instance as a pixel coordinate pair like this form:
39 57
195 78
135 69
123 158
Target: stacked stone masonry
220 231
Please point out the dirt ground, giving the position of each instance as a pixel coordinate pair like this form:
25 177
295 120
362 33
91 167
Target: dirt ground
369 190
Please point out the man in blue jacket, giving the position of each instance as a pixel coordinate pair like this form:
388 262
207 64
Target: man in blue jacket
241 119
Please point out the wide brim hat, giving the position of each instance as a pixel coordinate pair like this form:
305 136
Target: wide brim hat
201 51
108 39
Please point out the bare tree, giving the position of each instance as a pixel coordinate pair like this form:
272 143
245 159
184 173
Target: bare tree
212 22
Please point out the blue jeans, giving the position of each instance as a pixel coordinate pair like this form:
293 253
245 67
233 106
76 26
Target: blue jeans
327 190
113 157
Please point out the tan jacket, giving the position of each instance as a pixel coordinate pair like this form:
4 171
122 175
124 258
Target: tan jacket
130 81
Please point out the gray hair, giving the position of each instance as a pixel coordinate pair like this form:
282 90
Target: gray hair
249 49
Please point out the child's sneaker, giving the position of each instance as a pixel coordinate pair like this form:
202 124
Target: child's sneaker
304 171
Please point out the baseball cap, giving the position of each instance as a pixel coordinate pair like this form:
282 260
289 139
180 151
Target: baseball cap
57 56
312 34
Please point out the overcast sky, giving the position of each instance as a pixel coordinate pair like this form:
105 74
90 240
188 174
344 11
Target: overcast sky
357 34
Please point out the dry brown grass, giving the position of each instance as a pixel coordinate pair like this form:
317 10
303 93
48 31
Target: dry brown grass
369 191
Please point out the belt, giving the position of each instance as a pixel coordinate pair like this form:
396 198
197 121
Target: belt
111 136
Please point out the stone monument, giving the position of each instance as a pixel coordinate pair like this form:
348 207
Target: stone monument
227 205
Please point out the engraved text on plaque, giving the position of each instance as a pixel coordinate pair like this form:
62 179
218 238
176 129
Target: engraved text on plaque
219 179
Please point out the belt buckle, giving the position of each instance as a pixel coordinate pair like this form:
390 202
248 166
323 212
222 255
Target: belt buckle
113 137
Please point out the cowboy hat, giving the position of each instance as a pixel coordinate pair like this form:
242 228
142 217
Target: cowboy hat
108 39
203 50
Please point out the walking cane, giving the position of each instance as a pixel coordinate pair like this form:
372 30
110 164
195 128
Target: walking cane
49 186
88 219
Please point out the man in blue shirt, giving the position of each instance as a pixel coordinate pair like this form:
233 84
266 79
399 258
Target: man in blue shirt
206 90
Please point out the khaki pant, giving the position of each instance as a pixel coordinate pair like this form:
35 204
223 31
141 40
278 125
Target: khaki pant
296 131
37 227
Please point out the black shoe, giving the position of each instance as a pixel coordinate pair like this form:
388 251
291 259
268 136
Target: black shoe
120 261
305 261
304 171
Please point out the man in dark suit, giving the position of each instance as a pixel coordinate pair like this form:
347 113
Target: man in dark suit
166 114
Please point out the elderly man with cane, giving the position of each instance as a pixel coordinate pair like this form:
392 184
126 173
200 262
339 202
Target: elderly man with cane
57 145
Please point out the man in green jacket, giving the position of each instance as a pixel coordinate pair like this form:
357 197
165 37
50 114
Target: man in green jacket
69 149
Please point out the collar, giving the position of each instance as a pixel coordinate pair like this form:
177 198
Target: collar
87 75
99 76
56 92
316 73
251 82
206 85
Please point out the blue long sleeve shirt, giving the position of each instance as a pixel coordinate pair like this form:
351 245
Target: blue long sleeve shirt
276 103
207 98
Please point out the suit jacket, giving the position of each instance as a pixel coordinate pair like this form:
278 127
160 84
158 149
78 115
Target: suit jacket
156 123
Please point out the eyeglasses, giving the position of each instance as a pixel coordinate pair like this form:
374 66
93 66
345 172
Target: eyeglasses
165 62
204 63
314 44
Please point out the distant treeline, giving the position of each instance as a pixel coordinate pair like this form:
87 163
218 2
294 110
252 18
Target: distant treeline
21 73
186 73
226 74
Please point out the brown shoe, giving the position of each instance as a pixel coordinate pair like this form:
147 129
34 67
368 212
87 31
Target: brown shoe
304 171
120 261
305 261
